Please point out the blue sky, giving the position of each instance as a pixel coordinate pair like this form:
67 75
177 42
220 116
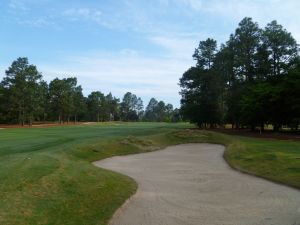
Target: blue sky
126 45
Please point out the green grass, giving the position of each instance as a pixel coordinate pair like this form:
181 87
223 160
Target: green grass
275 160
272 159
47 177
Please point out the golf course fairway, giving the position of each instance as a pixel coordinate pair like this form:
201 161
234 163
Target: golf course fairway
47 176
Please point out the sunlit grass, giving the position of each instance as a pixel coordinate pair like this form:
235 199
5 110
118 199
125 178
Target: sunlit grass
47 176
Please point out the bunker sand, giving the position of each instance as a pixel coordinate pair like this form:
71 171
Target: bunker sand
193 185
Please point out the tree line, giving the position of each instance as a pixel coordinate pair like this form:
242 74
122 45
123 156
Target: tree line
250 81
26 98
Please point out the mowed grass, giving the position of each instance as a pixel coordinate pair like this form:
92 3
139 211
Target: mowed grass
276 160
272 159
47 177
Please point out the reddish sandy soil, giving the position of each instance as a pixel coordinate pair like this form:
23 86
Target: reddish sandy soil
265 134
45 125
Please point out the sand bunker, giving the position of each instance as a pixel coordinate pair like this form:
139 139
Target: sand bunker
193 185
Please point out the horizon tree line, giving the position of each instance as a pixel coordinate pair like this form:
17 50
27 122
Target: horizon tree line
250 81
26 98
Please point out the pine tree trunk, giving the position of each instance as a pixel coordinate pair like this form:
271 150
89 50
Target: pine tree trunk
237 125
30 121
23 121
262 127
20 117
276 127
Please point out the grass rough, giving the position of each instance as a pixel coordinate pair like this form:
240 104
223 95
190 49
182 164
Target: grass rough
47 176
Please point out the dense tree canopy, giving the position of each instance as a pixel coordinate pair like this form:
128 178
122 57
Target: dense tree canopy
22 88
205 53
200 96
251 80
131 107
26 98
159 111
95 104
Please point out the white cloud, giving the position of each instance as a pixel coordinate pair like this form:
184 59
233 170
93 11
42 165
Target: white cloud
120 72
165 23
24 6
285 11
194 4
179 47
81 12
85 14
38 23
17 5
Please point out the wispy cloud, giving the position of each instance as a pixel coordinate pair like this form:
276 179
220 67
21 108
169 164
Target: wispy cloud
193 4
37 23
173 28
176 47
83 13
121 72
17 5
92 15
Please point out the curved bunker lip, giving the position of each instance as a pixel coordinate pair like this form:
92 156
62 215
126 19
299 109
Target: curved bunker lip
192 184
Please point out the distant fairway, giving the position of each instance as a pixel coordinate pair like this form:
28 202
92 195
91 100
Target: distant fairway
47 176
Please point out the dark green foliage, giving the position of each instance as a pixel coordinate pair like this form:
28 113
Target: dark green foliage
3 104
246 41
131 106
23 88
256 103
282 48
111 108
200 96
160 112
62 94
251 81
205 53
102 108
79 102
150 113
201 87
26 98
95 102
